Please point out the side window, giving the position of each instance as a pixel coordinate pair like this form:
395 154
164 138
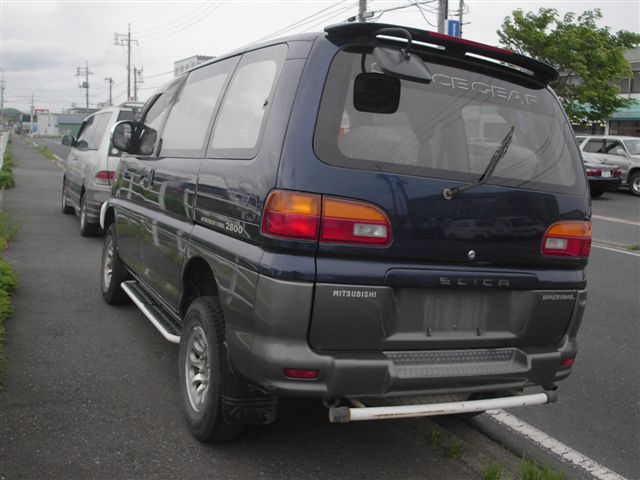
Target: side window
612 146
189 121
126 115
154 118
100 123
86 130
594 146
246 104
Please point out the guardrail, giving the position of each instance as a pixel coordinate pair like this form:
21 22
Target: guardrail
4 140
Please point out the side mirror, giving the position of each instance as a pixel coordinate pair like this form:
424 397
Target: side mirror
68 140
376 93
121 135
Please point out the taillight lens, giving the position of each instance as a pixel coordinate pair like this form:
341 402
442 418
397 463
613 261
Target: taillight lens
568 239
104 177
300 373
348 221
592 172
292 215
306 216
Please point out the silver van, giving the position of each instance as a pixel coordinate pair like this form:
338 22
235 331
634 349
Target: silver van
91 165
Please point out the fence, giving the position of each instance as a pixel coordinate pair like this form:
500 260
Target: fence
4 140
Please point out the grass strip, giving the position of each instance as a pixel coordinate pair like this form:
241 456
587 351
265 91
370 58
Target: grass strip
6 175
46 151
8 281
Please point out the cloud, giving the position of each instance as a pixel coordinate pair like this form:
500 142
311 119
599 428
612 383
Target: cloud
26 55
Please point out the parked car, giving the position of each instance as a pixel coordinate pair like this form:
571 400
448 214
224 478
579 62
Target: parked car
621 152
91 165
268 216
601 176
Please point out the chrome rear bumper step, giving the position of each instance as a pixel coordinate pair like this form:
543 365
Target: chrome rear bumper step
346 414
164 323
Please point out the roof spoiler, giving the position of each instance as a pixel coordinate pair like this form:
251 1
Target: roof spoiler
542 72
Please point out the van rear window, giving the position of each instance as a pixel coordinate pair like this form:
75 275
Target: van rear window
449 128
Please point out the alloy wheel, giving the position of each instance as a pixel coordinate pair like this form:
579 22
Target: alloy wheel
197 370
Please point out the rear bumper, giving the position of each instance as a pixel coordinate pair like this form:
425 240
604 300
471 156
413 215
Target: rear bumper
279 340
604 183
96 197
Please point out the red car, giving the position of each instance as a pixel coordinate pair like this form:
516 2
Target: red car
601 176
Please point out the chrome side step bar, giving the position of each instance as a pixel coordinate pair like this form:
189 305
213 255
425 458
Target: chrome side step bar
346 414
154 313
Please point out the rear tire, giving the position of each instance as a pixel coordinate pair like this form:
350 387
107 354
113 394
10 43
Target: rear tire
65 207
596 193
87 229
201 371
634 183
113 271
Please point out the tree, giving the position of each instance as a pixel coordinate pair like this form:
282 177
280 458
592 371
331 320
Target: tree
590 59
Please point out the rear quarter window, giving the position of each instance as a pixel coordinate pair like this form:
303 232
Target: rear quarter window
449 128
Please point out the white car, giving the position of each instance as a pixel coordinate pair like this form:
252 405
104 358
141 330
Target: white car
622 152
91 166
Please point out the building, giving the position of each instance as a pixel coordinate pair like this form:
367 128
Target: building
57 124
185 64
626 121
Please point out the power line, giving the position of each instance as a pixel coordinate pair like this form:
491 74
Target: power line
297 23
153 30
159 74
325 19
154 13
424 16
180 26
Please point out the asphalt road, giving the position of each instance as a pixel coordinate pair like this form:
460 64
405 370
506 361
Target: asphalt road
91 390
598 413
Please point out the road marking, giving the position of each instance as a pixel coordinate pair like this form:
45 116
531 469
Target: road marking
616 249
617 220
556 447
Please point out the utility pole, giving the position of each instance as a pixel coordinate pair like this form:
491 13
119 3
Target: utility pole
126 40
362 9
110 81
443 13
31 117
84 72
461 12
1 100
137 78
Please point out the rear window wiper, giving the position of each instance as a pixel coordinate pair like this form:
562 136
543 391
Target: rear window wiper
500 152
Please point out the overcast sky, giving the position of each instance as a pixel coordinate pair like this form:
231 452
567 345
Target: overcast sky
43 43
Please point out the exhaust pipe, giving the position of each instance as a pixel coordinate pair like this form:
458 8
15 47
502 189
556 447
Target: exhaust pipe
346 414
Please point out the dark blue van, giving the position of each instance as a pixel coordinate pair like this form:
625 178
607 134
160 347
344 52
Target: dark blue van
363 215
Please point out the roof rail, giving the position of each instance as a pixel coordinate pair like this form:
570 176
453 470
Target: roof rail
540 71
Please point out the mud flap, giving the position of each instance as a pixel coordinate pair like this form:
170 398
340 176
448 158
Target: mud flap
243 404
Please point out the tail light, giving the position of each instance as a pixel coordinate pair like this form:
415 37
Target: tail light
104 177
292 215
616 172
593 172
305 216
347 221
567 239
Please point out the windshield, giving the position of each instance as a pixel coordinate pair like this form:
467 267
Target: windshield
449 128
633 146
